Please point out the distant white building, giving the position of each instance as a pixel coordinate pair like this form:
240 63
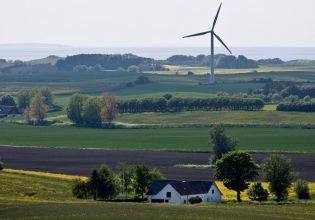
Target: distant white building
179 192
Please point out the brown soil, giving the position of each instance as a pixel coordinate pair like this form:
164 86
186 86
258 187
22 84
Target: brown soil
82 161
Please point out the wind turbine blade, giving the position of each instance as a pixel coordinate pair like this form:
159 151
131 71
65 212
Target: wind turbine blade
216 17
222 42
199 34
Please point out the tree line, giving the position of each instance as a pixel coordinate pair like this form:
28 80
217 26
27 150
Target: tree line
104 184
189 104
297 107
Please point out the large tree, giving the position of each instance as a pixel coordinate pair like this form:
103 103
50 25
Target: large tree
38 109
108 107
277 169
107 185
75 108
236 169
222 143
91 113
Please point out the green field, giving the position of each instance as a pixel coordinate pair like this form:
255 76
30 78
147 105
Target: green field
24 195
225 117
66 83
168 139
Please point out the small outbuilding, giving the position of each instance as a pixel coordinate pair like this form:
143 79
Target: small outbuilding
179 192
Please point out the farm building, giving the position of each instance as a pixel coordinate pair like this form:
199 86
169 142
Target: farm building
179 192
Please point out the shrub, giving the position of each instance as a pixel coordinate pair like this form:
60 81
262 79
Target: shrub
134 69
257 193
80 189
195 200
302 190
1 165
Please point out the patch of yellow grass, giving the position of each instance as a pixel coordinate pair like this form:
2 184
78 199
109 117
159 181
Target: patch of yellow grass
43 174
231 195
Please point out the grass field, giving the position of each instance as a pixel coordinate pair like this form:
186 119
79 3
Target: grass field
168 139
33 195
226 117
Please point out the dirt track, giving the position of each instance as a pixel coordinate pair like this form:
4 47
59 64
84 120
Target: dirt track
81 162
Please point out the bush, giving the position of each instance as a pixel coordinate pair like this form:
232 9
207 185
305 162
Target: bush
257 193
195 200
302 190
1 166
80 189
134 69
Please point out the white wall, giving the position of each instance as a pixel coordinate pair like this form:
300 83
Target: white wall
176 198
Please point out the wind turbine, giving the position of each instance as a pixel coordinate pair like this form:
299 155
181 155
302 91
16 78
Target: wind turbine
213 34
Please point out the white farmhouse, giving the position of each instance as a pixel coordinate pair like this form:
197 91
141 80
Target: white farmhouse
179 192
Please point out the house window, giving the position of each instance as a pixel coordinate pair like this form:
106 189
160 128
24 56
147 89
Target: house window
168 195
213 191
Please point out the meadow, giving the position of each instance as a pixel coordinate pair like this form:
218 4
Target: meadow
160 139
30 195
225 117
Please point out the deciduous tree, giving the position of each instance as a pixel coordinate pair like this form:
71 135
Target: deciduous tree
108 107
236 169
38 109
75 108
222 143
277 169
92 113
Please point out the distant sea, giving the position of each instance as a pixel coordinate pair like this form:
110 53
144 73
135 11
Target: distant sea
37 51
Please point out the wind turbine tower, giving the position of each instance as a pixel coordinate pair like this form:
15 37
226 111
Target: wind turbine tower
213 35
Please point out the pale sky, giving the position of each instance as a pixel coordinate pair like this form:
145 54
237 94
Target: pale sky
140 23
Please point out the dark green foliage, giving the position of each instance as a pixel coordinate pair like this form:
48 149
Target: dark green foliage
75 108
232 62
142 80
222 143
47 95
195 200
189 104
1 165
302 190
297 107
257 192
270 61
92 113
144 178
236 169
277 169
24 98
126 175
80 189
107 188
7 101
221 61
168 96
109 62
94 184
